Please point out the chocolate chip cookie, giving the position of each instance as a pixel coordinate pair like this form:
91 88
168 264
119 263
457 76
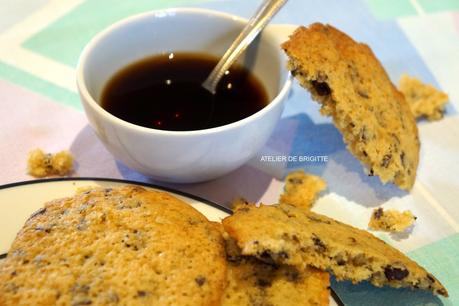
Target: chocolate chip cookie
120 246
347 79
285 234
255 282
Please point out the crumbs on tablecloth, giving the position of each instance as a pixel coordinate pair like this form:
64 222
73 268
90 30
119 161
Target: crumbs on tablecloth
391 220
42 164
424 99
301 189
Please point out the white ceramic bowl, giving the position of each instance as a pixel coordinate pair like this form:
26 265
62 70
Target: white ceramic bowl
181 156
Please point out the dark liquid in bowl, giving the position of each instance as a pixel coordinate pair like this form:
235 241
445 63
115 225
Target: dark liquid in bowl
164 92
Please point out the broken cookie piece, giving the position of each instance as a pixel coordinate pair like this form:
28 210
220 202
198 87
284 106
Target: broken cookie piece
284 234
424 99
255 282
40 164
391 220
351 85
301 189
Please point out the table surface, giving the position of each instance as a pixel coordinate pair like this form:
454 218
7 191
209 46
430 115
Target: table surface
40 42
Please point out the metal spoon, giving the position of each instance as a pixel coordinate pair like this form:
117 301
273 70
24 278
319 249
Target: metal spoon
261 18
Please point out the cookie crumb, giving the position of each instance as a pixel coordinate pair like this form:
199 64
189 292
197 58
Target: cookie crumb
40 164
391 220
238 203
424 99
301 189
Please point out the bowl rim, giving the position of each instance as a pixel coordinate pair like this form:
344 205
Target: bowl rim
87 98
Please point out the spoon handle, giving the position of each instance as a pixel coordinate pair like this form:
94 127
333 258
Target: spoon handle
263 15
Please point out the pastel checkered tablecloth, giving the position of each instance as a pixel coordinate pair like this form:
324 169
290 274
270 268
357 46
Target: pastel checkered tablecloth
40 42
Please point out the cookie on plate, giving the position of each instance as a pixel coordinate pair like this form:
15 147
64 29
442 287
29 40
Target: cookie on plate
285 234
424 99
120 246
355 90
254 282
301 189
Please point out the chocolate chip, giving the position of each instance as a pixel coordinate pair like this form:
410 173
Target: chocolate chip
41 211
47 160
82 225
82 302
363 134
431 278
359 260
292 275
363 94
273 258
386 160
83 289
321 88
442 292
263 282
393 273
377 214
141 293
200 280
236 259
314 219
295 181
339 259
402 158
320 246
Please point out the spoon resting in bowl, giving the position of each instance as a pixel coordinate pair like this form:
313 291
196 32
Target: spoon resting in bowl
264 14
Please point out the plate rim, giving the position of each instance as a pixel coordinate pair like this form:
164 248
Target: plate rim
116 180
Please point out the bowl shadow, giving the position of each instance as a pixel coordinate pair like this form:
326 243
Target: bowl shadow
93 160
